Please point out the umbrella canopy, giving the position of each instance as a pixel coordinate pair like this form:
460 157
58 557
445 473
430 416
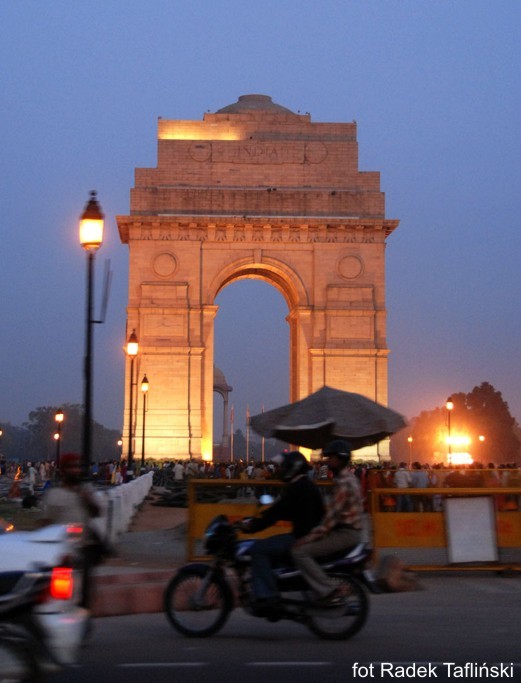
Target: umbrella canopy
329 414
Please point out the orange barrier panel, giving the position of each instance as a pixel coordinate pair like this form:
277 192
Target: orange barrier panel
201 511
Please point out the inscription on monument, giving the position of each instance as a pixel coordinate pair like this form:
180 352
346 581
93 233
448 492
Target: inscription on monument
259 152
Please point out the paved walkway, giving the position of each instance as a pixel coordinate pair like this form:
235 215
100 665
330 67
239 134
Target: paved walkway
156 538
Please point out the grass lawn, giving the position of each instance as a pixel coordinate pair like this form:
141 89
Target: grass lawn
23 519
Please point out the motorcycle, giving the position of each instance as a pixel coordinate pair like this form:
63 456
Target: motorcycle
41 624
200 597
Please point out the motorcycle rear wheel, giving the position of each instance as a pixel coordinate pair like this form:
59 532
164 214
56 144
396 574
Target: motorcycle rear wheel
197 615
342 622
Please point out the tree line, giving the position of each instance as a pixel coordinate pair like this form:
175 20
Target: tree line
35 441
480 413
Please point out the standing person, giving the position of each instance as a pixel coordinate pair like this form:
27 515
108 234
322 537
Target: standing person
403 480
179 473
301 504
340 528
73 502
420 480
31 477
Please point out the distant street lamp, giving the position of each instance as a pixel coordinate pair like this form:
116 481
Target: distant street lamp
91 238
409 439
58 417
132 350
144 390
449 405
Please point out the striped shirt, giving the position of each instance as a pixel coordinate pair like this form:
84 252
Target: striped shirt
344 509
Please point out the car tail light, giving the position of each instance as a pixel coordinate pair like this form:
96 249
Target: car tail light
62 583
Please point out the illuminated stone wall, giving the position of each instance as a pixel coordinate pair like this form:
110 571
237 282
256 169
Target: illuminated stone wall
253 191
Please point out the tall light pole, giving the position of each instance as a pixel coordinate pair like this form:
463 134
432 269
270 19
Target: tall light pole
132 349
449 405
58 417
409 439
91 238
144 390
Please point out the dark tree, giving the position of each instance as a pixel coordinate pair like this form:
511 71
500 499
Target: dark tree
490 418
480 413
41 427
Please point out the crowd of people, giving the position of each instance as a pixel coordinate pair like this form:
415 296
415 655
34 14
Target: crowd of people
38 475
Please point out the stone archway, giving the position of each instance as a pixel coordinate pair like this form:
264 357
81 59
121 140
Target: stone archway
254 191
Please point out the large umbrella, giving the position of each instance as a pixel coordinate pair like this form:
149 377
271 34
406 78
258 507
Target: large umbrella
329 414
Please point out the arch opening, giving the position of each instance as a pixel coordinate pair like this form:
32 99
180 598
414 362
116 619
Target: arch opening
251 348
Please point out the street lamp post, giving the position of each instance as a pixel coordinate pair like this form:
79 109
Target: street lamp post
144 389
449 405
91 237
132 349
409 440
58 417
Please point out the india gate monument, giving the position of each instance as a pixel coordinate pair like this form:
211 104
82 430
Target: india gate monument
253 190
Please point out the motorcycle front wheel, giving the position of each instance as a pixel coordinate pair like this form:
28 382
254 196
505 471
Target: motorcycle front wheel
196 603
343 621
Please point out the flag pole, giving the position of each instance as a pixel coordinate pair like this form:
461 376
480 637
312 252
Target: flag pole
262 440
232 417
247 434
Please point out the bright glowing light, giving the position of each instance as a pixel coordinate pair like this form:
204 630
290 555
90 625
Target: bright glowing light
457 440
190 130
91 225
460 459
132 345
306 452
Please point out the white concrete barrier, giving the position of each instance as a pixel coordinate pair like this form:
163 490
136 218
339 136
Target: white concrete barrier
119 505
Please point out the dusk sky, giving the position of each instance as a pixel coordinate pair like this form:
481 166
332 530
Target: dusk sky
434 87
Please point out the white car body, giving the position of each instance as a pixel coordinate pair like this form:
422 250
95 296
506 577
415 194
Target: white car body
63 621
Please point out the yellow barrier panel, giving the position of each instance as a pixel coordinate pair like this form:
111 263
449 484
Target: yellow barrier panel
208 498
222 491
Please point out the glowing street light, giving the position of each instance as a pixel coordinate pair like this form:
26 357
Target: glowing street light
409 439
144 390
132 351
91 238
58 418
449 405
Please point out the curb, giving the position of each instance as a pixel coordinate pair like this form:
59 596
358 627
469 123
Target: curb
131 592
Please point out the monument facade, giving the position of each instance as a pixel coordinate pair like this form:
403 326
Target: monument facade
253 190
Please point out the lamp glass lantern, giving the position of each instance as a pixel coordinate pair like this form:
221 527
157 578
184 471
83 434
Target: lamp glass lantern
132 345
91 225
132 351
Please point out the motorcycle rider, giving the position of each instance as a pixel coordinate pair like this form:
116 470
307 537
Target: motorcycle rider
301 504
341 527
72 501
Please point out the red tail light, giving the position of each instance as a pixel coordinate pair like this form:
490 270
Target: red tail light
62 583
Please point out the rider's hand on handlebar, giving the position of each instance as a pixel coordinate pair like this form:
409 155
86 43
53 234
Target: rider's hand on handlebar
245 524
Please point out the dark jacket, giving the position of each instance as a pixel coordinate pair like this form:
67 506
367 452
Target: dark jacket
300 503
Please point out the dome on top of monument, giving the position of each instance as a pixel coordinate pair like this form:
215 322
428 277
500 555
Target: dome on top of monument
247 103
219 380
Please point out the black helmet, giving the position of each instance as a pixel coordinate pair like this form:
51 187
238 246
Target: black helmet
338 447
291 464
